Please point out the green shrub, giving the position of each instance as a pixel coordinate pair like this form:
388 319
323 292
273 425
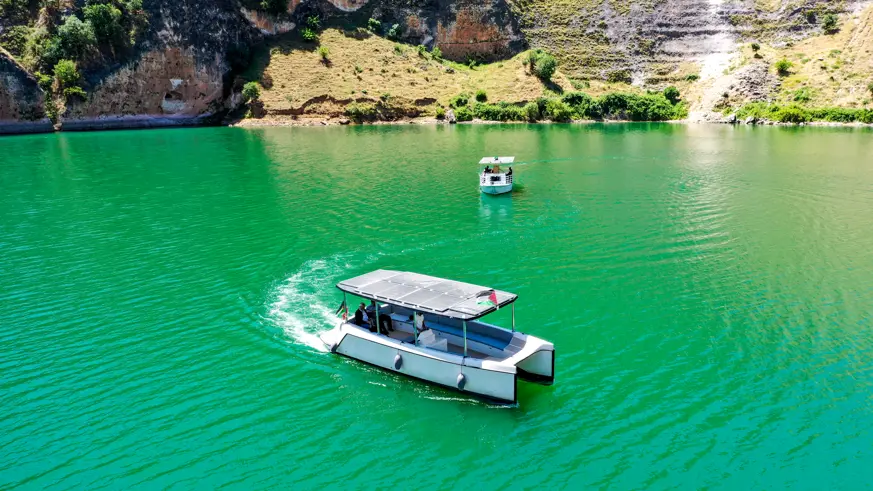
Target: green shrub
75 91
421 50
14 11
865 116
275 7
541 64
308 34
557 110
14 39
580 84
640 107
398 49
830 23
67 74
802 95
792 114
106 20
545 66
481 96
460 100
358 69
440 112
692 78
324 53
619 76
374 26
757 110
583 105
531 111
498 112
251 91
313 22
756 47
870 87
463 113
672 94
436 53
783 67
835 114
532 57
44 81
394 32
75 39
360 112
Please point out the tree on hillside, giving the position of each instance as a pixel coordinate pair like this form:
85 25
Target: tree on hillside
830 23
672 94
783 67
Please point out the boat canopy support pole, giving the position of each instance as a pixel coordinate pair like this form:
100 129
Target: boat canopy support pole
513 317
465 339
378 327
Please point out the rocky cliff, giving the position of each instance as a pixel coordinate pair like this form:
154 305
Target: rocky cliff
21 100
185 69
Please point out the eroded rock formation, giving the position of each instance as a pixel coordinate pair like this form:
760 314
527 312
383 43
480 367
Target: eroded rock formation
21 100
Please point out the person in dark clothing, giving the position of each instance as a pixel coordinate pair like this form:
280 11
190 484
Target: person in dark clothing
384 319
510 172
361 317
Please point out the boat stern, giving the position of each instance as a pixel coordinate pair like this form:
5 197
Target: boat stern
536 363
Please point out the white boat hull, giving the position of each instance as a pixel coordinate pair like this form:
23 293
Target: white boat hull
496 189
495 183
494 380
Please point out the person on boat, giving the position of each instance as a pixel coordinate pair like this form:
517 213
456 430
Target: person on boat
361 317
487 170
510 172
385 325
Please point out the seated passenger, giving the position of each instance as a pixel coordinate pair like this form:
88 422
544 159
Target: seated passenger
361 317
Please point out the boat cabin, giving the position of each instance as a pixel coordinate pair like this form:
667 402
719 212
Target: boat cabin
433 313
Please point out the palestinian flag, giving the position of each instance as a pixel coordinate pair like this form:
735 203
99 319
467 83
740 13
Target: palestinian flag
487 298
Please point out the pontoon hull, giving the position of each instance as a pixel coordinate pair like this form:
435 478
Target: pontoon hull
494 381
496 189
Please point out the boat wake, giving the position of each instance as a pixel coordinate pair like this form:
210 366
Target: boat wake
304 305
298 307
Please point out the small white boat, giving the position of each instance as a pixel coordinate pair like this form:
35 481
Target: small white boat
429 328
494 180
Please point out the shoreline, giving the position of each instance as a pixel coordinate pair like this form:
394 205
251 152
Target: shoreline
144 123
333 121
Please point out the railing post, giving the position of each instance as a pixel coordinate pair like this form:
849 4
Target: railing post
465 339
378 324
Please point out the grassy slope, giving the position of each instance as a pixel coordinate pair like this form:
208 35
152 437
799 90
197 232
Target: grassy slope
293 76
835 69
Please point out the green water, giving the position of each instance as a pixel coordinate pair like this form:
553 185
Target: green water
708 289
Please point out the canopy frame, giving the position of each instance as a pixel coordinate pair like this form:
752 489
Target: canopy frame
496 160
426 294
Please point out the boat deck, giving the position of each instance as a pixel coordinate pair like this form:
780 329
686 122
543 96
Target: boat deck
452 348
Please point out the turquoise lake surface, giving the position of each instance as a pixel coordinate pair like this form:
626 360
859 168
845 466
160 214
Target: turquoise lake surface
708 289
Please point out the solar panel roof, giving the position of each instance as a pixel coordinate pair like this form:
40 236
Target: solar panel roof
426 293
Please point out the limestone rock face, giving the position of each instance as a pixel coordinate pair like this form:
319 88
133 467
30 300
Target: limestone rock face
461 29
167 86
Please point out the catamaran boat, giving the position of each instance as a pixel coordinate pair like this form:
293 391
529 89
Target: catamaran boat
429 328
493 180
